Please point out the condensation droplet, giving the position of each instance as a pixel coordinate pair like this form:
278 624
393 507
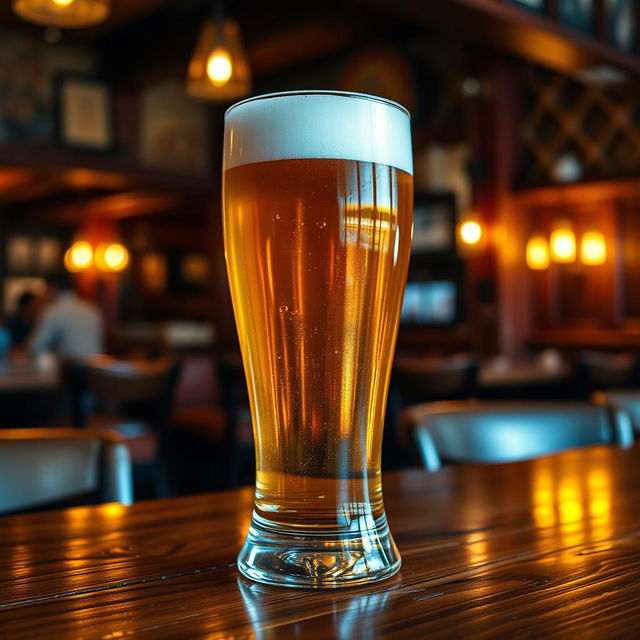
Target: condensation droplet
284 308
277 217
336 352
321 224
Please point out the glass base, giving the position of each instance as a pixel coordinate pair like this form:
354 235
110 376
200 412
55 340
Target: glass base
304 558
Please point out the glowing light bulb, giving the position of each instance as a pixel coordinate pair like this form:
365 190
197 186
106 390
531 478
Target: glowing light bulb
219 67
593 248
112 257
563 245
537 253
78 256
470 232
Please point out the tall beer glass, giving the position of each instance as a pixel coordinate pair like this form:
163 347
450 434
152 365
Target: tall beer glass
318 196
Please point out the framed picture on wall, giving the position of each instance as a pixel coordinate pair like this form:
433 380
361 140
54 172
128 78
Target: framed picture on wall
578 14
84 113
433 295
434 225
622 24
539 6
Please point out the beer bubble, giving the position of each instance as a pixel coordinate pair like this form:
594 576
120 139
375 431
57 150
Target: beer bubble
277 217
321 224
284 308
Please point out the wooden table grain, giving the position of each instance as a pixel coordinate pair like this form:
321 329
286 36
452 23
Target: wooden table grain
544 548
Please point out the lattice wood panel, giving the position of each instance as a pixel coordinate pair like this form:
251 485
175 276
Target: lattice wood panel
599 126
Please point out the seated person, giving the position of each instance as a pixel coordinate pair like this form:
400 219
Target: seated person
21 322
69 325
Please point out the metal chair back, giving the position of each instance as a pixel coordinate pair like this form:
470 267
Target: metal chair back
51 468
493 432
621 399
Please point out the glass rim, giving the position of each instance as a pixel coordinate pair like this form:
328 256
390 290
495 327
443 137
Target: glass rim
320 92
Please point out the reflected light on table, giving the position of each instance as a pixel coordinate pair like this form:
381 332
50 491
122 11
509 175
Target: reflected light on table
599 486
477 547
577 501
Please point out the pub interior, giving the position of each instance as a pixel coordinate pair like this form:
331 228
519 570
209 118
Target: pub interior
518 337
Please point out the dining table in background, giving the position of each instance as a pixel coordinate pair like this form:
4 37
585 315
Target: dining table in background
28 375
542 548
31 392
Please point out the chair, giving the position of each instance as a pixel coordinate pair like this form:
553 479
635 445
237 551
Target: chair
53 468
595 370
133 398
621 399
492 432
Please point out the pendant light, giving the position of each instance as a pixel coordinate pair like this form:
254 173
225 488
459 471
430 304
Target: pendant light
219 69
67 14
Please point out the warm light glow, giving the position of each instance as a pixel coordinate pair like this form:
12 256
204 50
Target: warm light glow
78 256
63 13
538 253
219 67
593 249
470 232
563 244
112 257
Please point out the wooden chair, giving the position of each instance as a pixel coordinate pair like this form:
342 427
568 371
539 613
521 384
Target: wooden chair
134 399
493 432
54 468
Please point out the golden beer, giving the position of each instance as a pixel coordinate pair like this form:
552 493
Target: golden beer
317 252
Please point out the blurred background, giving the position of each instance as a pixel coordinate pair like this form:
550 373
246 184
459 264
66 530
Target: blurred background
525 265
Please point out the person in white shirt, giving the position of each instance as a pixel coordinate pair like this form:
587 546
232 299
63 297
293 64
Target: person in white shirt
69 326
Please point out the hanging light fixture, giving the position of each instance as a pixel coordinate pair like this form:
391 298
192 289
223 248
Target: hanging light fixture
537 252
593 248
68 14
563 243
219 69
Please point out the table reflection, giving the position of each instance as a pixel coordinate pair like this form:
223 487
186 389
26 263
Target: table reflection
353 615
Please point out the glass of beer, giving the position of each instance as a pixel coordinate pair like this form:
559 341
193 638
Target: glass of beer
318 198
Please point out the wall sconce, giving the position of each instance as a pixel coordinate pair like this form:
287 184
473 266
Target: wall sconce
112 257
109 257
563 243
63 13
470 232
78 256
219 69
593 248
537 252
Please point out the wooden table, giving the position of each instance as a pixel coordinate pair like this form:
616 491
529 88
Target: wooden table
24 377
537 549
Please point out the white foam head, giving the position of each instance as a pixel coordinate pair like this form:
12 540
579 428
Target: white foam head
316 124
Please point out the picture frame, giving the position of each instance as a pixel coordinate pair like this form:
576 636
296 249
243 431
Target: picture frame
621 25
434 295
578 14
539 6
84 113
434 226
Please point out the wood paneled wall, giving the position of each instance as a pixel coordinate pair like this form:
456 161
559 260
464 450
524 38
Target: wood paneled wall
577 305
